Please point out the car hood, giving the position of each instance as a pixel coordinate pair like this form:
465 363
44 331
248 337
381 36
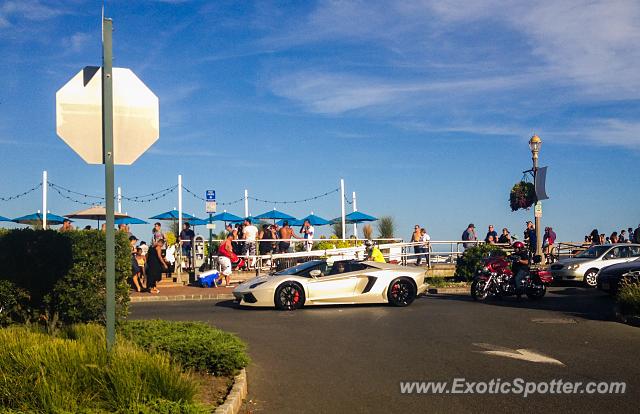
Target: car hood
573 260
247 283
621 268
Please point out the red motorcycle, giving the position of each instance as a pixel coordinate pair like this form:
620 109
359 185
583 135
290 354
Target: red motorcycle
497 279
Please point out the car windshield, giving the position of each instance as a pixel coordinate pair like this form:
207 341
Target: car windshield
593 252
299 268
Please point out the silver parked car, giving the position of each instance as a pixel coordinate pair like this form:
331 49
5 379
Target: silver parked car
586 265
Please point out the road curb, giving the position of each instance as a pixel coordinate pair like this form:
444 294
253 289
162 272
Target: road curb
238 393
175 298
448 291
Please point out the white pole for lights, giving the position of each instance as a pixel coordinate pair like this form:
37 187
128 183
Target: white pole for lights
119 200
355 208
179 203
246 203
44 199
342 208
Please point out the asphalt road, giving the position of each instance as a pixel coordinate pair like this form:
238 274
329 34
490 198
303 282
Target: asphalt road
352 359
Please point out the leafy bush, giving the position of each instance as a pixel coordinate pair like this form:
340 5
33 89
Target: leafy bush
471 260
194 344
13 304
629 298
75 373
334 242
386 227
522 196
64 273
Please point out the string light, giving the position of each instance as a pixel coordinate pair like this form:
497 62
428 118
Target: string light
146 198
17 196
296 201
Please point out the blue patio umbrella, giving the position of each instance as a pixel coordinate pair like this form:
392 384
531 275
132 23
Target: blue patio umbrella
173 215
130 220
355 218
292 223
315 220
252 220
199 222
224 216
36 218
274 215
4 219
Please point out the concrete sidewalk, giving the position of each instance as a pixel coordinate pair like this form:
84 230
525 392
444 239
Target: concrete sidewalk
184 293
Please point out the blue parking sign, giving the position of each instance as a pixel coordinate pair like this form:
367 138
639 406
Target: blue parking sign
210 195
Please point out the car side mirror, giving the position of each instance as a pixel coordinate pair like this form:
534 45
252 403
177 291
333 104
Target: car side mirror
315 273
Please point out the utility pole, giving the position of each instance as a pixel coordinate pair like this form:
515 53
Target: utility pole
344 224
45 186
107 153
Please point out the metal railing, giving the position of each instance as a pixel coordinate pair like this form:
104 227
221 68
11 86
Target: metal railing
435 252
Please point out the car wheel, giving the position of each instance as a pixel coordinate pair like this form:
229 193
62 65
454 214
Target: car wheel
401 292
590 278
289 296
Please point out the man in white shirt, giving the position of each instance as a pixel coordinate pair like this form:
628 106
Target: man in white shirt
307 230
249 234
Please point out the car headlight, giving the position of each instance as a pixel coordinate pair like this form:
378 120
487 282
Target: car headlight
573 267
256 284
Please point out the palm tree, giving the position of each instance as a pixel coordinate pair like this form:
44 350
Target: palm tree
337 229
386 227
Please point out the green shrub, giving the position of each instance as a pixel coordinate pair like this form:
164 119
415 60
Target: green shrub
194 344
334 243
13 304
75 373
471 260
64 273
629 298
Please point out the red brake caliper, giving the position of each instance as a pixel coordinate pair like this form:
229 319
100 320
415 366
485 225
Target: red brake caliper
296 296
394 289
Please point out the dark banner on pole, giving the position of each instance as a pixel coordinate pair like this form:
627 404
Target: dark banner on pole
541 179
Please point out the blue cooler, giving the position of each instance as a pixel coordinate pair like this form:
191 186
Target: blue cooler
209 279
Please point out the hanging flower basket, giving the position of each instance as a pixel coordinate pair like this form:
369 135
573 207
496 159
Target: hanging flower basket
523 196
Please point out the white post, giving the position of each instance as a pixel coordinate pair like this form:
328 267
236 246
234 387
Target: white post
119 200
179 205
344 224
355 208
246 203
45 186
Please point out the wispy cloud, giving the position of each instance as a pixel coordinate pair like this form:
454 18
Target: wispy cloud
471 63
77 41
33 10
335 93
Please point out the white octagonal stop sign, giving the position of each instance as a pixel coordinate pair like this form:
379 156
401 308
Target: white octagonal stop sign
136 119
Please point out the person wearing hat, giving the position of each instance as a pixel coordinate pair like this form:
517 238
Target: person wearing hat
373 253
469 235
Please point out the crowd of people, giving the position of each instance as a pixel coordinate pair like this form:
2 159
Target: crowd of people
469 236
624 236
245 239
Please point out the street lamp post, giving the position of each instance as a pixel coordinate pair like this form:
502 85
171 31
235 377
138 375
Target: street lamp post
534 145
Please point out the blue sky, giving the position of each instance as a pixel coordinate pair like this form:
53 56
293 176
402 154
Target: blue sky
424 108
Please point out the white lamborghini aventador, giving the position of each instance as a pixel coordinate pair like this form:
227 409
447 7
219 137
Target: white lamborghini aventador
320 282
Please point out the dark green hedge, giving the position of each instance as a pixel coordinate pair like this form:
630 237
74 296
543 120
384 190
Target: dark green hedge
471 260
64 273
194 344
